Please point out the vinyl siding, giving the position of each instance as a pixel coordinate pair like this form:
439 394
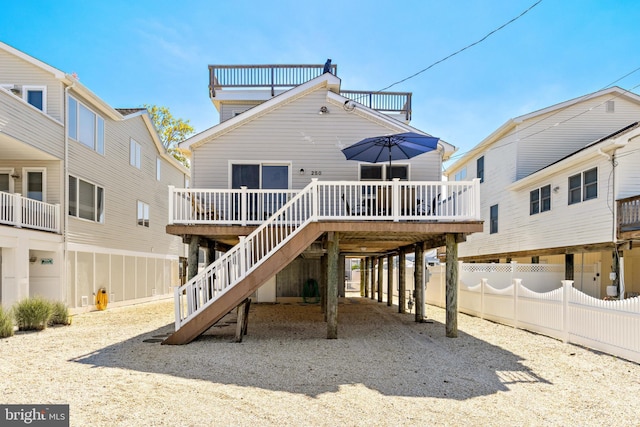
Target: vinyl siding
229 110
295 132
124 185
14 70
53 176
628 170
542 143
27 124
584 223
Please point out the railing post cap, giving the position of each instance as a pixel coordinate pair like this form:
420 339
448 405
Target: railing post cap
314 179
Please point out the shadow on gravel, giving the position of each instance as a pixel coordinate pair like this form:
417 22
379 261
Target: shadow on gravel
286 350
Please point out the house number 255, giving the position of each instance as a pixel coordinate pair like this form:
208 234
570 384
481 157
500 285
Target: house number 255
316 173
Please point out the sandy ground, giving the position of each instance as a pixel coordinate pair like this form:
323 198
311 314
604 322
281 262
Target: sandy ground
384 370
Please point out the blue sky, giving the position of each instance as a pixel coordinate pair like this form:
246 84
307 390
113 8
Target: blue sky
157 52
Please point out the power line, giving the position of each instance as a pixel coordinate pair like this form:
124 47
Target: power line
464 48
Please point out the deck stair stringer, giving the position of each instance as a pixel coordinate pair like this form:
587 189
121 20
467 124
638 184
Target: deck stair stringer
234 296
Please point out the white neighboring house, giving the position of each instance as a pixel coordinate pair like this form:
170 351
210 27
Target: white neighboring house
82 195
552 182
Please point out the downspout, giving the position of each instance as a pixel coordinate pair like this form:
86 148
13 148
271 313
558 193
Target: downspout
65 190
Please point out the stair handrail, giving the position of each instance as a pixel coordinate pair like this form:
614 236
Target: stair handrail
234 265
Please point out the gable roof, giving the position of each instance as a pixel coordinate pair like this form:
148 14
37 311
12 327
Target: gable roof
326 80
512 123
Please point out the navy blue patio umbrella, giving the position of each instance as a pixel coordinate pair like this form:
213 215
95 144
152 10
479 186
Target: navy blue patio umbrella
391 147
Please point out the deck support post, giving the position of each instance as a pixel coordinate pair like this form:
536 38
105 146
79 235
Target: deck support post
366 277
342 277
323 286
192 260
333 252
362 276
243 319
402 281
568 266
380 278
389 280
418 275
452 286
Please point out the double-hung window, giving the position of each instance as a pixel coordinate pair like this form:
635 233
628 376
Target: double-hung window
86 200
85 126
583 186
480 169
143 214
135 154
540 200
493 219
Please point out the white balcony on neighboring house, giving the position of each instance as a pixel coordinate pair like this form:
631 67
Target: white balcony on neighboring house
22 212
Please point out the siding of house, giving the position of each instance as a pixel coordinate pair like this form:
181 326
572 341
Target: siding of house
295 132
124 185
541 145
14 70
25 123
627 171
230 110
584 223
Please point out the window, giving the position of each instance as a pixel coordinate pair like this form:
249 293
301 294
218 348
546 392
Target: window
493 219
36 96
158 168
540 200
397 171
34 183
85 126
134 154
383 172
461 174
86 200
143 214
480 169
583 186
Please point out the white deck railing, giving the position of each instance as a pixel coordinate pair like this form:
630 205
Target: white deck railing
382 200
341 200
28 213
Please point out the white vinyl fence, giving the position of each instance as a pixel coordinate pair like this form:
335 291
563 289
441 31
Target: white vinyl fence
564 313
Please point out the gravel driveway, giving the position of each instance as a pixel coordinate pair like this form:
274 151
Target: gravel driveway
383 370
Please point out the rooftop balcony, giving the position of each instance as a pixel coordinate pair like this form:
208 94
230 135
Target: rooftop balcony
287 76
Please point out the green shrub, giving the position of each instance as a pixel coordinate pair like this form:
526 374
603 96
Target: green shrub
6 323
32 314
59 314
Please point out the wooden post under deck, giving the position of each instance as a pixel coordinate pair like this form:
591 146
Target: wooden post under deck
380 278
243 319
389 280
333 256
192 260
323 286
402 281
418 274
342 278
373 278
366 277
362 276
452 286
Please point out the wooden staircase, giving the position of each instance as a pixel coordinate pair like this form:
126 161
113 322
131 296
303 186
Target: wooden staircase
278 260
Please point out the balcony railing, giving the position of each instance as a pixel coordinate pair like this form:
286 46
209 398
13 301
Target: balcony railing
629 214
337 200
392 102
28 213
268 76
288 76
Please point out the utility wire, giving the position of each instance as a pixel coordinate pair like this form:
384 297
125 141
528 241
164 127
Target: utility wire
464 48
